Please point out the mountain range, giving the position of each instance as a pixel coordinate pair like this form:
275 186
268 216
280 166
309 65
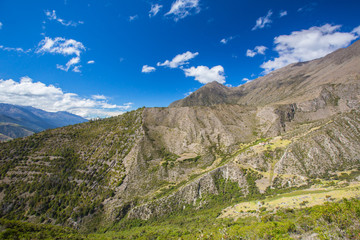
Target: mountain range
20 121
295 128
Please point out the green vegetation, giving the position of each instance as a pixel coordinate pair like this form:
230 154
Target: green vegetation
167 157
329 221
61 176
195 159
22 230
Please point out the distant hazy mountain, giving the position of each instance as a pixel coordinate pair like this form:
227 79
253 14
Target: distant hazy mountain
20 121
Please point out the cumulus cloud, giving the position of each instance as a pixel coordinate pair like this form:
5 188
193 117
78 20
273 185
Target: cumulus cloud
262 22
133 18
91 62
257 50
1 25
205 75
148 69
283 13
61 46
183 8
226 40
52 99
309 44
155 9
64 47
51 15
179 60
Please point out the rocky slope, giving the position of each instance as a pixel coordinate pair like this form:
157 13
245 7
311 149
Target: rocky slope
280 131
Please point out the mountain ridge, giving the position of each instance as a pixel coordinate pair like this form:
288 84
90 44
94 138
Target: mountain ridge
286 85
19 121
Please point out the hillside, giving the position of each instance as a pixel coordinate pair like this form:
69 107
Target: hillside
294 129
21 121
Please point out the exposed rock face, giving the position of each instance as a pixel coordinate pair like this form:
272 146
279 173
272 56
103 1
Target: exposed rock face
335 145
191 192
197 128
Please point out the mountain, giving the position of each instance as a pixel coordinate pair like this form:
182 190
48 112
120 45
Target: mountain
20 121
296 82
220 153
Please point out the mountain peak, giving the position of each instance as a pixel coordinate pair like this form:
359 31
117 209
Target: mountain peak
214 84
209 94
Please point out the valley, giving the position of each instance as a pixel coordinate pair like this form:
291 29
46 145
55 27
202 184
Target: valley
268 159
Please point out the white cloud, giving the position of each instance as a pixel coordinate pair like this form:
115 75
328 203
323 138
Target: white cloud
262 22
257 50
308 7
309 44
51 15
133 18
77 69
246 80
183 8
64 47
91 62
179 60
250 53
52 99
155 9
188 93
61 46
1 25
260 49
205 75
356 31
226 40
98 97
283 13
70 63
10 49
148 69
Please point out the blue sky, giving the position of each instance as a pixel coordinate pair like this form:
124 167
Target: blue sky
100 58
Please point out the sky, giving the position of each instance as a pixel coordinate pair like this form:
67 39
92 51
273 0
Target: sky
100 58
